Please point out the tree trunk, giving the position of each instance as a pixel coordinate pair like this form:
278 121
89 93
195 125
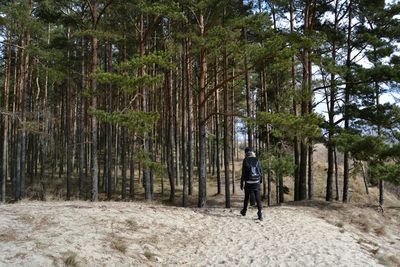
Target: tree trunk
217 134
81 123
201 122
336 176
281 192
248 103
310 171
95 166
189 106
68 100
145 94
183 125
7 74
123 162
170 135
346 106
227 137
294 107
331 116
381 182
304 109
132 175
233 134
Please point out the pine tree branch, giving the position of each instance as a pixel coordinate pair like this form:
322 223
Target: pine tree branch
91 9
150 29
218 86
103 10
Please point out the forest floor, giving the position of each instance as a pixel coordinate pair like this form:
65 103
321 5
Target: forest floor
116 233
79 233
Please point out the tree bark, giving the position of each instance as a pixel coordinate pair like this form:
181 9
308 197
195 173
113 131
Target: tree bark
336 176
227 137
189 106
217 134
331 117
170 135
81 123
201 122
346 105
95 166
67 134
7 78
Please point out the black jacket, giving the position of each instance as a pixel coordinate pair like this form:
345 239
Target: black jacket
250 160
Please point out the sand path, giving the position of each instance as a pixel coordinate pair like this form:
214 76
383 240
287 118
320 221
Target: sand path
132 234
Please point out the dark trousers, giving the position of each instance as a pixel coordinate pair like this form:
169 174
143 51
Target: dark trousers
256 193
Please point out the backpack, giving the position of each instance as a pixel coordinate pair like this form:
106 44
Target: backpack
252 171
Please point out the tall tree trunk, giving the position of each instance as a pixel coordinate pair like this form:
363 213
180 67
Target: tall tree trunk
189 107
248 103
95 166
346 114
294 107
7 74
68 100
311 142
170 135
227 137
145 94
331 117
81 122
233 134
217 134
21 97
201 120
304 108
183 126
176 133
381 182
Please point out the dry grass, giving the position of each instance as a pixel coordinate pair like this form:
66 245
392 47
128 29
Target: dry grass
153 240
150 255
41 245
365 226
380 231
390 260
119 244
44 222
35 192
28 219
70 260
20 255
132 224
339 224
8 236
362 223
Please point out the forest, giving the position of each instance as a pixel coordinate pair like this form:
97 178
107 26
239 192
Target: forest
146 100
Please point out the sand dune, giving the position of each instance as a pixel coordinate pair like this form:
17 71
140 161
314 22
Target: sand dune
133 234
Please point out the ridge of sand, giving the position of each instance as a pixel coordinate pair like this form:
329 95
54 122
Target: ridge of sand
133 234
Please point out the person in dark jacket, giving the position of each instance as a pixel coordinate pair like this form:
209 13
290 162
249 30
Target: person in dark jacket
251 178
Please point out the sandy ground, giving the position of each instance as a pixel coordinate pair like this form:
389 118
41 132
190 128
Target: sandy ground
137 234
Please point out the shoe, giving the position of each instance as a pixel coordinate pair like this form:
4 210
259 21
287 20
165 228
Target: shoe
243 212
260 216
